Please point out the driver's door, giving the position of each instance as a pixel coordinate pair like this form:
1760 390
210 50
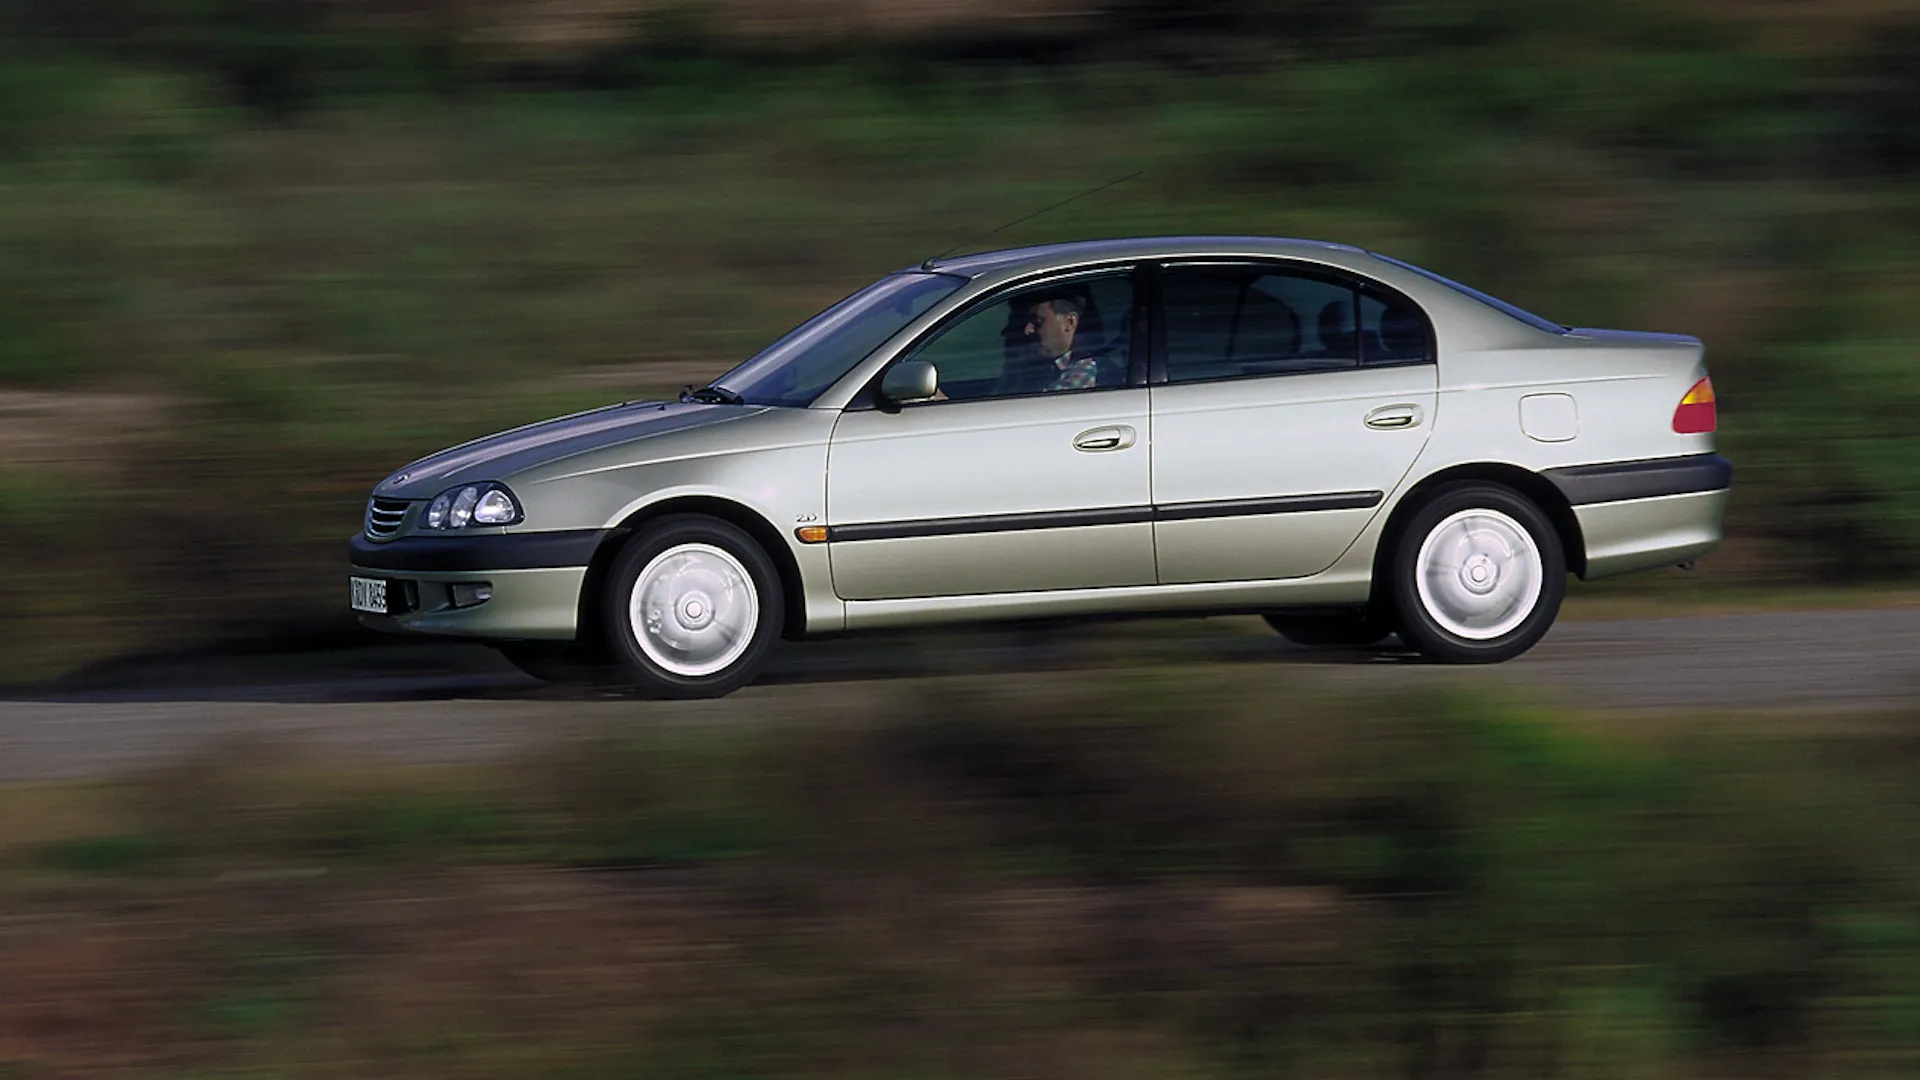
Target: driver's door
992 492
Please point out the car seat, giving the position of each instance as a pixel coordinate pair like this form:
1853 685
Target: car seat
1108 349
1266 331
1337 339
1403 335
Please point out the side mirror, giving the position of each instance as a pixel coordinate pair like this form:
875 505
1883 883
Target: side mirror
910 381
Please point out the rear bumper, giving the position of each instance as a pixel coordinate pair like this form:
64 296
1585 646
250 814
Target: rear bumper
535 581
1618 481
1637 515
1641 534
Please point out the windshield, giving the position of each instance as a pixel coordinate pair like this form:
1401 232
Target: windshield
799 367
1502 306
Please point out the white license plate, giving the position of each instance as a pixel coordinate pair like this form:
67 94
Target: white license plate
368 594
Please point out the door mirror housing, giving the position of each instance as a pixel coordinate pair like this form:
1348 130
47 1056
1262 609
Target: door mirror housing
910 381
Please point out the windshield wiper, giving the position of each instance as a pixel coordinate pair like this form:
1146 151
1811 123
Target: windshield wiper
712 395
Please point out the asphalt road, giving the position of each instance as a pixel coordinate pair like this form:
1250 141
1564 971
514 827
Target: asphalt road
446 704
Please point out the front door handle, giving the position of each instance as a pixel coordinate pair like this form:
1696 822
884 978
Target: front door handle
1100 439
1390 417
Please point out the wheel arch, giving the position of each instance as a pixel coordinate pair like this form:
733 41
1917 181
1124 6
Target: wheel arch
734 513
1536 488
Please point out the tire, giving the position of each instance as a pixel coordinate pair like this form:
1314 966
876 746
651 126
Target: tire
1477 574
1360 628
692 606
561 664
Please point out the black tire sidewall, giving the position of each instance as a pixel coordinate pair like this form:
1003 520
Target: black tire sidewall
648 677
1419 628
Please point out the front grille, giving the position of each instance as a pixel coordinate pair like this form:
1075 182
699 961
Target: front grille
384 517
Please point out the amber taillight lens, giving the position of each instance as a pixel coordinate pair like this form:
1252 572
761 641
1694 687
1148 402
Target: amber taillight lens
1696 414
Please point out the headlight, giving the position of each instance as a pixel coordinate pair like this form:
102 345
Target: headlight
495 508
462 512
473 504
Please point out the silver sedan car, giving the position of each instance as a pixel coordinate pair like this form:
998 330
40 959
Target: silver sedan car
1347 444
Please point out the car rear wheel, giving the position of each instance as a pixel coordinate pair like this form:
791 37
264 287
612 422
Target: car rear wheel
1356 629
1478 574
693 604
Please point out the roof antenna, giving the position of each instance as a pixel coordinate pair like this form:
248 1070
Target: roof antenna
928 265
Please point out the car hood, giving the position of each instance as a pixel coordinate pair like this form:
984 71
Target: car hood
497 457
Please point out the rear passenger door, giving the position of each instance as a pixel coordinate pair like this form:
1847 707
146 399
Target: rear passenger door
1286 401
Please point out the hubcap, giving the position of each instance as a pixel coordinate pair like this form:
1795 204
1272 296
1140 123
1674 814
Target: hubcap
1479 574
694 609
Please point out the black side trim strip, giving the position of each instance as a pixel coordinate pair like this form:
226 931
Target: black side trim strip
1060 519
1285 504
1119 515
508 551
1616 481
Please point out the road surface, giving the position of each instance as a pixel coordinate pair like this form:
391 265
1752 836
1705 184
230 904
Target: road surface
432 703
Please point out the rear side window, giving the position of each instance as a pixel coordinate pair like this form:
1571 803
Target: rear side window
1226 321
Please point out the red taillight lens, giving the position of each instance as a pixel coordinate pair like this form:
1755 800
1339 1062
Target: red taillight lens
1696 414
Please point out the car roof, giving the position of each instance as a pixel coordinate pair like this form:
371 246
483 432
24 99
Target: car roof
1043 256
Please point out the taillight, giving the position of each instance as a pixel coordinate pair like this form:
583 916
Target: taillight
1696 415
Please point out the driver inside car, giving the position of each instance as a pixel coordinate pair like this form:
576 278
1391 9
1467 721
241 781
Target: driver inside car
1045 351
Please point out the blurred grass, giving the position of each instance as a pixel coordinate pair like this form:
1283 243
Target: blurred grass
397 242
1169 875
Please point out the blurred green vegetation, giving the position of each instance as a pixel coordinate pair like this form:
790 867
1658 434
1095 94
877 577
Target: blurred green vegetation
1219 874
320 247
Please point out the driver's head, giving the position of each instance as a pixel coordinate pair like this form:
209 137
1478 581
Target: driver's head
1052 320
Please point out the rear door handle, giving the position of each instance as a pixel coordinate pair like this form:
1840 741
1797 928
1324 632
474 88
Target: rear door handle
1100 439
1389 417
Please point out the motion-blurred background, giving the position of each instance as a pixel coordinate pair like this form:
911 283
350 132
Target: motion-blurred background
255 254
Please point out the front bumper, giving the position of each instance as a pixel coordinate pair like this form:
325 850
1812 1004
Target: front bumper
535 579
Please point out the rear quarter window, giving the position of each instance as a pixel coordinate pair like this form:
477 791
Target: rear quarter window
1392 330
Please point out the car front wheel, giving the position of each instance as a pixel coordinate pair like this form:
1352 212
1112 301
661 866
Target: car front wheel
1477 575
693 605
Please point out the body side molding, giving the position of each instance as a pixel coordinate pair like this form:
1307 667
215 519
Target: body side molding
1118 515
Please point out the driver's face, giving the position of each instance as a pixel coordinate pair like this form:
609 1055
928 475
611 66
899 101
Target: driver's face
1050 330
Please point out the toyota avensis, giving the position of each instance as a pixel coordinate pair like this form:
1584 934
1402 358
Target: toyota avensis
1347 444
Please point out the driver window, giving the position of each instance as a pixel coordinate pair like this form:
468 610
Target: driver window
1058 337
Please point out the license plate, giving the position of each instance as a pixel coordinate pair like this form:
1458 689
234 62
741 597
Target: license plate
368 594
